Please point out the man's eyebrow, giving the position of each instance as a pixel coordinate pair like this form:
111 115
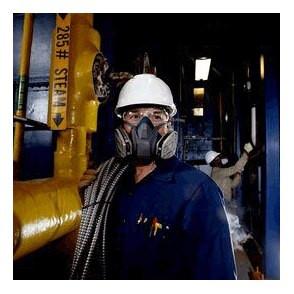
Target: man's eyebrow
134 110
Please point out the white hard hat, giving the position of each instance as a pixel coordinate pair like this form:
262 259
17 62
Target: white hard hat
145 89
210 156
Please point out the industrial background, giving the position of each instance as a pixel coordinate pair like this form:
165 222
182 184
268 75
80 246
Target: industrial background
56 140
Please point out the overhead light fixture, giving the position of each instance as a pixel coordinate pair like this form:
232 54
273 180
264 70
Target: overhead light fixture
261 66
198 101
198 92
202 66
198 111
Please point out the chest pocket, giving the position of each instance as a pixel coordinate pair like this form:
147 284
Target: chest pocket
153 227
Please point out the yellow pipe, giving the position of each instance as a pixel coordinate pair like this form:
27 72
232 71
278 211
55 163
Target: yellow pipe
47 209
26 44
44 210
25 54
72 150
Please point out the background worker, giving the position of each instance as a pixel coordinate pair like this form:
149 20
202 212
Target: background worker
227 178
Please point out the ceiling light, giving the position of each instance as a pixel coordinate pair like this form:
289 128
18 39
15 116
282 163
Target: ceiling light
202 67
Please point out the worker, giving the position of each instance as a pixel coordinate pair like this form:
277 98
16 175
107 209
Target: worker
227 178
147 215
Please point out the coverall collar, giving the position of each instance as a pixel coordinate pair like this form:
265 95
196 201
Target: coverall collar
165 169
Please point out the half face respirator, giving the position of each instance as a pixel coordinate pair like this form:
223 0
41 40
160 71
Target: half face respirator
144 144
224 161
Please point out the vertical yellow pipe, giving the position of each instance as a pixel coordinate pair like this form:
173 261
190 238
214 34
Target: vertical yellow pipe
26 44
73 143
22 89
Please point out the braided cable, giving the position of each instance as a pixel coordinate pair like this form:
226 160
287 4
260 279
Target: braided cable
83 235
99 219
113 188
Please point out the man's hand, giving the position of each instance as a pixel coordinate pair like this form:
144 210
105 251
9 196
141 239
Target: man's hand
87 178
248 147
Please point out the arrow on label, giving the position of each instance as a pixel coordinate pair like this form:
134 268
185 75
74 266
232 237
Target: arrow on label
58 119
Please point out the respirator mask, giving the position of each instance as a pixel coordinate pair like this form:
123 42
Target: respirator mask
144 143
224 161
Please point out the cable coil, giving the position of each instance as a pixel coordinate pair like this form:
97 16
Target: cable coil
91 244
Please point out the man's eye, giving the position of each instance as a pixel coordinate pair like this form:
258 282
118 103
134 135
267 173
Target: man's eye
156 117
135 116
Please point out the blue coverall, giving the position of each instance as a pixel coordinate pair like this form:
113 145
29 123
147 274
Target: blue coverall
192 239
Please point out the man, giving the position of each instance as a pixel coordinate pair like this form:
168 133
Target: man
148 215
227 178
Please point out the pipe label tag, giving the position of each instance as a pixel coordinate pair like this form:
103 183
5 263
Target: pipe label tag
59 78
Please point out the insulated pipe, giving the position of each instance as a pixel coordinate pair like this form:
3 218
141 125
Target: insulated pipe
43 210
21 97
